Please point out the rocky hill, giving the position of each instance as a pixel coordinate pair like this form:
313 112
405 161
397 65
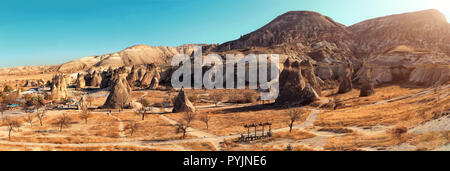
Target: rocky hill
303 27
427 29
411 47
135 55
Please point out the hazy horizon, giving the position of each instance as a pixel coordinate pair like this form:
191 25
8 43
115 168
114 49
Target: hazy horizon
54 32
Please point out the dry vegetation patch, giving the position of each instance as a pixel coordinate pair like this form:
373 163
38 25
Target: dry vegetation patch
223 123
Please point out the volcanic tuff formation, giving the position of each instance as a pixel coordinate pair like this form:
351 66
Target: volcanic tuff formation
293 88
412 46
120 95
182 103
59 87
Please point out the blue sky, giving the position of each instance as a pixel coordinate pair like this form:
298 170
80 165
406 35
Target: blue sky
55 31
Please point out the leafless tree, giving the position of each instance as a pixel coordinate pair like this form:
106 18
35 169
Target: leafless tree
141 112
133 126
294 115
205 119
3 108
85 114
29 119
41 115
217 98
62 121
182 127
90 99
11 125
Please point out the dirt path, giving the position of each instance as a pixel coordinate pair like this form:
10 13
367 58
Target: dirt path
122 133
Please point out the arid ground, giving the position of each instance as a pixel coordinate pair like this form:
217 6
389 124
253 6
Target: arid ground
395 118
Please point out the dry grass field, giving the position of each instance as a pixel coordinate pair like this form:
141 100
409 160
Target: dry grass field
395 118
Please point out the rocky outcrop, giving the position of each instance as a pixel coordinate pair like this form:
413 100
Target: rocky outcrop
107 78
411 47
182 103
151 76
155 83
346 82
120 94
368 88
59 87
310 76
133 77
293 88
80 83
34 83
405 64
135 55
94 79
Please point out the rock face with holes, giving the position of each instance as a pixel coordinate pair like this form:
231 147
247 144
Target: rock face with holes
120 95
294 90
59 87
182 103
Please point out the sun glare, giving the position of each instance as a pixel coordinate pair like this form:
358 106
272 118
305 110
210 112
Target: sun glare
441 5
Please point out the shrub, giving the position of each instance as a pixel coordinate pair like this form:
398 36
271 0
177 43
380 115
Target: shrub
145 102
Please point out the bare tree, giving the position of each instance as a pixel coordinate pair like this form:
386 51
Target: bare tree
90 99
29 119
11 125
141 112
205 119
62 121
294 115
133 126
217 98
182 127
3 108
41 116
85 114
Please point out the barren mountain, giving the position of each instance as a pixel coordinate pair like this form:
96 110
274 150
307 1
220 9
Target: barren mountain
303 27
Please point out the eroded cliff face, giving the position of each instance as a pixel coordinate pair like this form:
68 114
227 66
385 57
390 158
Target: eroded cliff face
411 47
406 64
427 29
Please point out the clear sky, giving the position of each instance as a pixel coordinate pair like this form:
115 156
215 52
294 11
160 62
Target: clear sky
57 31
